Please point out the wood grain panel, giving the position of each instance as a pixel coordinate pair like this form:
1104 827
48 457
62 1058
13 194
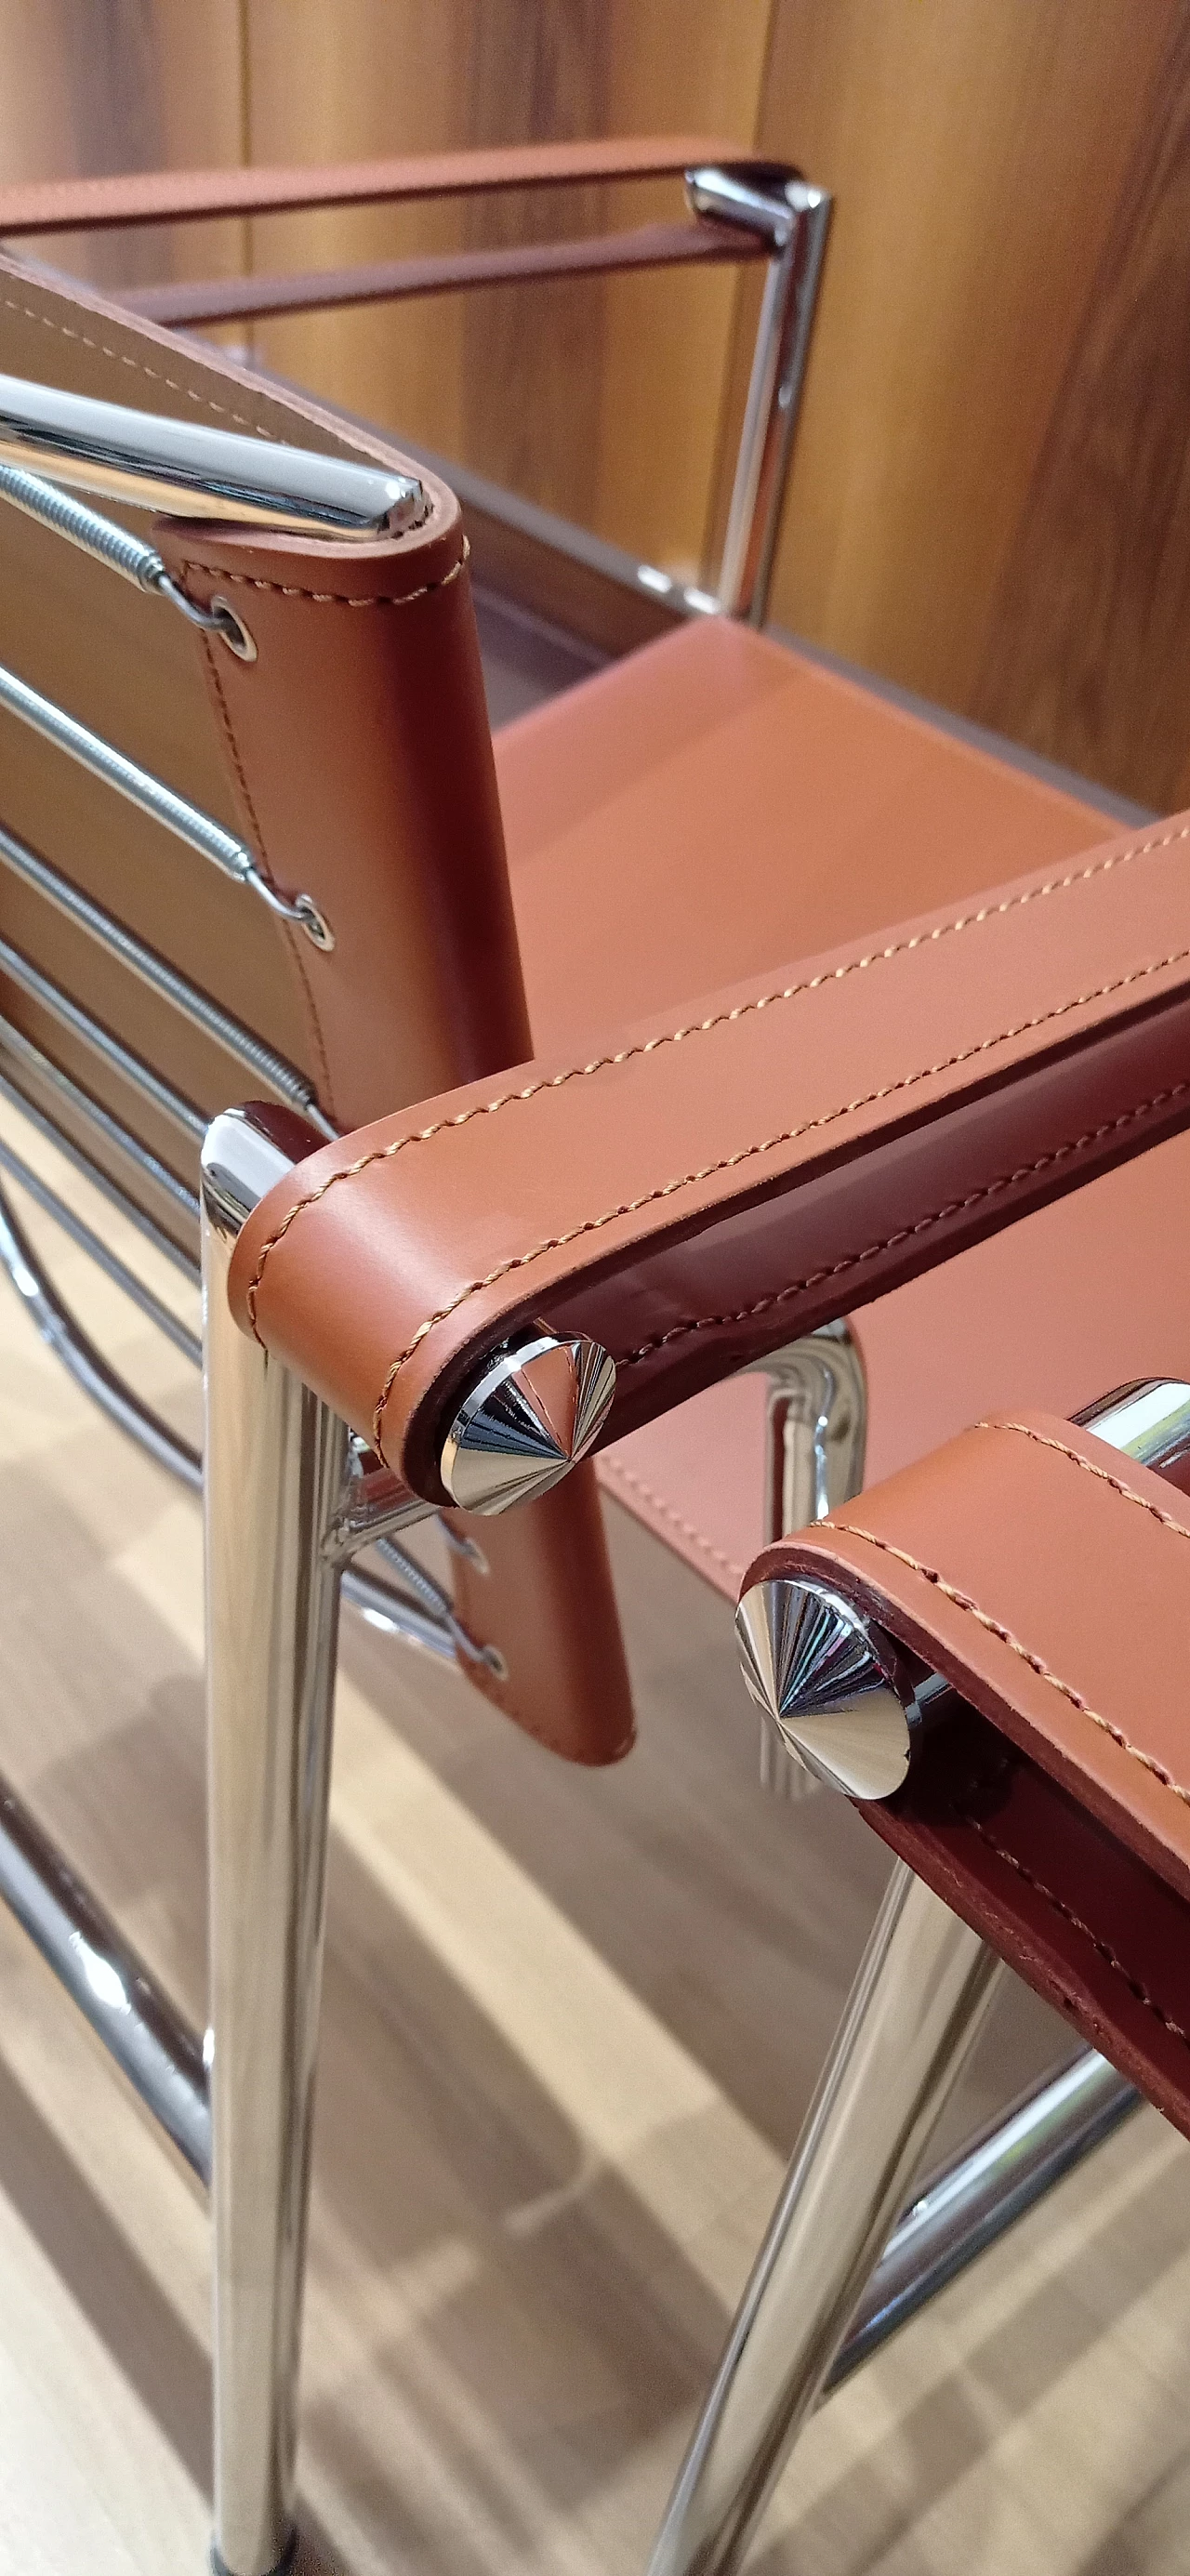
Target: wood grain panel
1087 651
979 151
92 86
356 82
597 399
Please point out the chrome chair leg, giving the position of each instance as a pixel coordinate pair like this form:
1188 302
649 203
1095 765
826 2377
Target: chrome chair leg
917 2005
276 1461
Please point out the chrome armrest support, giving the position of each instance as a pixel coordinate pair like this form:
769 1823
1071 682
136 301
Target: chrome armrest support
795 219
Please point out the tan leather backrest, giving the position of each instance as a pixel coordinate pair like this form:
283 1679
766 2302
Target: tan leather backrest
353 755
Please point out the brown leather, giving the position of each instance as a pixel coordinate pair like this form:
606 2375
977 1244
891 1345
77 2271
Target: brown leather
359 746
353 755
184 303
620 802
1083 1295
533 1585
694 1193
187 196
1049 1580
716 803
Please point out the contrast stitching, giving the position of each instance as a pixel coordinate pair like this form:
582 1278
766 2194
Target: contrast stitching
206 402
1106 1953
612 1469
335 598
1036 1664
1043 1440
669 1189
296 959
742 1010
902 1234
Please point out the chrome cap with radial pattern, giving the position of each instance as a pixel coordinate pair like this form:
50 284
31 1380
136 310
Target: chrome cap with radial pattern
813 1665
529 1418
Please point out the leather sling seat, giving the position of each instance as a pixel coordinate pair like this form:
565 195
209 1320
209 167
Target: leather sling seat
716 802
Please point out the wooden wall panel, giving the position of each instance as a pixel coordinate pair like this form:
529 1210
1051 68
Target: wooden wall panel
984 154
599 400
91 86
989 499
1090 623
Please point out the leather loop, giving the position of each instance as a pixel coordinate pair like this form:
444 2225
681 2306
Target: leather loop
1049 1580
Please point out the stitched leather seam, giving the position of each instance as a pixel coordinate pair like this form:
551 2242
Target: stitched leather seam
669 1189
724 1019
296 959
591 1225
1135 1984
100 348
335 598
1036 1663
614 1472
902 1234
1042 1440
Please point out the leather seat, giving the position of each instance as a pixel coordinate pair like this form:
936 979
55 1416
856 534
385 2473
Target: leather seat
714 802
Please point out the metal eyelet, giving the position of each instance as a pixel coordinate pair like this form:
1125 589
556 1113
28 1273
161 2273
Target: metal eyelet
232 630
220 619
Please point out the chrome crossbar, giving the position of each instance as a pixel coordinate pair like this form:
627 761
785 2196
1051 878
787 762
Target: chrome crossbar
126 2007
132 1069
183 467
75 1227
260 1061
151 796
968 2204
15 1044
64 1336
92 1172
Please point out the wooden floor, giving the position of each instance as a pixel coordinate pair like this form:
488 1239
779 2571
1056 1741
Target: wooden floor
570 2026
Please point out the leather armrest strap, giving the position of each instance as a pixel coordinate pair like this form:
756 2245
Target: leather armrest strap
1049 1581
183 303
189 196
708 1187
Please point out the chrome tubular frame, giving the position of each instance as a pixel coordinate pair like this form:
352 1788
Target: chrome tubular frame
259 1061
79 1232
795 219
41 1069
414 1607
150 796
64 1335
276 1461
121 1999
181 467
918 2003
816 1430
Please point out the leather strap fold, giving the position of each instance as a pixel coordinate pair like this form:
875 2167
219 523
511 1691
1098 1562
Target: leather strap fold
701 1190
1049 1581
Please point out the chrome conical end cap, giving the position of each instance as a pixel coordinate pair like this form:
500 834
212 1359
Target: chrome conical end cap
527 1421
810 1662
